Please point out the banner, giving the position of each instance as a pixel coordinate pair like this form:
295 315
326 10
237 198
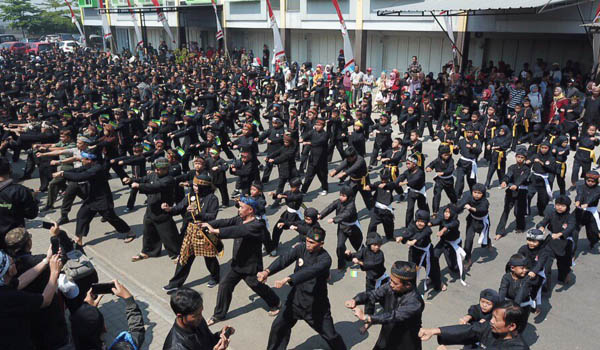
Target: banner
279 52
136 26
107 34
76 22
348 54
219 29
163 20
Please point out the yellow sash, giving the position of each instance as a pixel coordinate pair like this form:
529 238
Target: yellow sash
449 144
394 171
363 181
500 156
563 168
592 154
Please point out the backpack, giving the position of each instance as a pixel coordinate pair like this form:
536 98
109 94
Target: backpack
78 266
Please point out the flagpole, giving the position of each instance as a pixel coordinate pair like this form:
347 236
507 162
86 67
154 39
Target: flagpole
446 32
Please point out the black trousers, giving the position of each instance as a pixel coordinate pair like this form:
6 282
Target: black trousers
543 198
319 169
579 166
73 190
183 271
340 147
473 226
411 198
415 255
345 233
366 195
494 168
304 157
319 320
132 196
519 202
586 219
384 217
224 193
228 284
376 148
157 234
564 263
422 123
461 172
85 216
267 172
437 193
445 248
46 171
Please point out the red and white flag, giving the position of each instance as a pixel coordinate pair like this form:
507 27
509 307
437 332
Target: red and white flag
76 22
279 52
348 53
219 29
136 26
107 34
163 20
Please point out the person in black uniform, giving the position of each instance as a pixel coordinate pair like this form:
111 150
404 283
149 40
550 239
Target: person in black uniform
347 220
414 178
16 202
561 225
402 309
200 205
498 146
217 168
516 182
274 137
308 298
503 331
586 209
285 158
99 197
355 168
450 243
543 167
517 285
383 213
293 200
159 227
469 149
539 263
317 164
383 138
311 219
443 166
190 330
584 156
248 234
482 312
478 220
138 170
370 259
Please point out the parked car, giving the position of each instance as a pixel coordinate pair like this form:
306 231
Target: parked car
51 38
36 48
68 46
14 47
30 40
66 36
6 38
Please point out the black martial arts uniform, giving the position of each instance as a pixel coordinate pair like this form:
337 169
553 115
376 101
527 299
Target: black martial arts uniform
348 227
542 172
478 221
464 166
443 182
307 300
479 332
517 175
421 253
416 191
293 200
587 217
562 248
317 164
374 264
383 213
357 178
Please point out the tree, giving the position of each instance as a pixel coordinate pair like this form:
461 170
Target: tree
21 15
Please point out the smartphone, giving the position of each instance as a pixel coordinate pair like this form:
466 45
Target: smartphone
228 332
55 244
102 288
47 225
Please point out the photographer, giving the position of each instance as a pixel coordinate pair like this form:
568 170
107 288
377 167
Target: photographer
87 323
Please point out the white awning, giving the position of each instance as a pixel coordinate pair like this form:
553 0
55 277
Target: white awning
475 6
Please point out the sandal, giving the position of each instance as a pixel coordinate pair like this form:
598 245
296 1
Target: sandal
129 238
212 321
140 256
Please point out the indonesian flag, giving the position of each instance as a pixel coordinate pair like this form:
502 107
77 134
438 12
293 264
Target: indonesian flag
76 22
348 54
105 27
597 16
219 29
138 32
278 49
163 20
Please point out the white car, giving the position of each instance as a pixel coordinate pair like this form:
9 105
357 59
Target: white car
68 45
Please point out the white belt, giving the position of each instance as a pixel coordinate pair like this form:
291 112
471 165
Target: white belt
381 279
473 167
546 182
444 177
460 255
523 187
355 223
295 211
422 191
594 211
427 258
388 207
538 295
531 303
483 236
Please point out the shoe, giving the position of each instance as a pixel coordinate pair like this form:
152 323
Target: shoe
103 219
223 206
46 208
63 220
212 283
323 193
169 288
127 210
273 253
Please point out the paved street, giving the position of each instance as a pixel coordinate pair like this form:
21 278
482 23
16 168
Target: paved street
568 320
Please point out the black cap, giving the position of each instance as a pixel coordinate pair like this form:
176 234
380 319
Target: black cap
296 182
490 295
404 270
521 151
258 185
374 238
517 260
311 213
350 151
316 233
479 188
563 199
346 190
422 215
443 149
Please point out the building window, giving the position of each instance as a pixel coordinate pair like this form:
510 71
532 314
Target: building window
275 5
293 5
325 7
245 8
381 4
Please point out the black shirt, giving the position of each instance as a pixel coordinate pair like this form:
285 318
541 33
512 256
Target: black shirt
17 308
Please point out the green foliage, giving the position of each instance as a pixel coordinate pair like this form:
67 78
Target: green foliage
52 17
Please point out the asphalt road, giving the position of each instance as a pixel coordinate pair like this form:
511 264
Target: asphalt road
568 320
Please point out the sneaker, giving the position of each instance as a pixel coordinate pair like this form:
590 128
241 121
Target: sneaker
127 210
212 283
169 288
323 193
273 253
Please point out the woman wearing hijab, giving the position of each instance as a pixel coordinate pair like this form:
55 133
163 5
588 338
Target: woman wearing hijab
559 100
537 103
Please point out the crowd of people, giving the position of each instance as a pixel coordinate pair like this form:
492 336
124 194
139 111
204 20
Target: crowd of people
162 125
